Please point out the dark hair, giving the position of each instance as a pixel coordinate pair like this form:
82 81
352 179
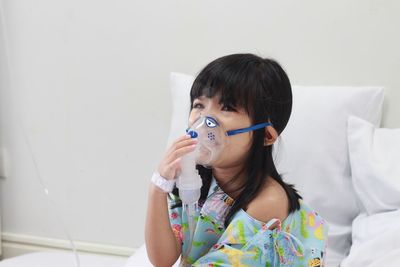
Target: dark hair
263 89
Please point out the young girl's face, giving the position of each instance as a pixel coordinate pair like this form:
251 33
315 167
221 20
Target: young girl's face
230 118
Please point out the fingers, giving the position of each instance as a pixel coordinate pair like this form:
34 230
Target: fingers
181 152
184 141
183 137
176 165
170 165
181 142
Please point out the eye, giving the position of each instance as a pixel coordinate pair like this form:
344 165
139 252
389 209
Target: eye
198 105
228 108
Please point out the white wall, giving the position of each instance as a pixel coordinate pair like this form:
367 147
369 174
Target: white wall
90 80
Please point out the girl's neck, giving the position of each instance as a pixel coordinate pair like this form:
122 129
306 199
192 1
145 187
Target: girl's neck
230 180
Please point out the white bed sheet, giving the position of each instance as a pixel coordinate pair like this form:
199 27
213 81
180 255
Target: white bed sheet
61 259
140 259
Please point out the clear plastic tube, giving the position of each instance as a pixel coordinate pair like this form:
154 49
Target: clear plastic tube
190 210
191 214
49 199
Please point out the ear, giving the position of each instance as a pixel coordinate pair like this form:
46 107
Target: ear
270 135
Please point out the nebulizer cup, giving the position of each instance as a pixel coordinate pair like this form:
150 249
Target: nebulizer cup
210 139
189 184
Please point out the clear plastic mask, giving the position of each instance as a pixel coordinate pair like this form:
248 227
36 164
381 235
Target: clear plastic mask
212 138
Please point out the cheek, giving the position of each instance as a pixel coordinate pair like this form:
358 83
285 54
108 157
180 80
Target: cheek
238 146
242 139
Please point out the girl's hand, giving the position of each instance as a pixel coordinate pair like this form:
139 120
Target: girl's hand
169 167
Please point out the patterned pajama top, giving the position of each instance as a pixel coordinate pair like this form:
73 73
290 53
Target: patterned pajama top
299 240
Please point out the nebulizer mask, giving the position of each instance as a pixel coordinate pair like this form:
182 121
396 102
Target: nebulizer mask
212 139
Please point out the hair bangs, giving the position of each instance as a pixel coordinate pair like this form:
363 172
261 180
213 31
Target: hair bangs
234 88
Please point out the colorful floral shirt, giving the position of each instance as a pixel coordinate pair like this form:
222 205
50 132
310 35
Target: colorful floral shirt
299 240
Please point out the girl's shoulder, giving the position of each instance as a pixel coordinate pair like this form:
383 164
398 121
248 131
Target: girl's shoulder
271 203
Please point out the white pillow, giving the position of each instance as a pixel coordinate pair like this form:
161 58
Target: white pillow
375 239
316 155
180 85
375 165
367 227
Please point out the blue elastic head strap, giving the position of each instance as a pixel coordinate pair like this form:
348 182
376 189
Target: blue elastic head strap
248 129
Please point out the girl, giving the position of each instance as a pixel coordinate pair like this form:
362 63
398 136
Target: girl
248 216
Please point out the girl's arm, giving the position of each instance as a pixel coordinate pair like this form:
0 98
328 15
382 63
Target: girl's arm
163 248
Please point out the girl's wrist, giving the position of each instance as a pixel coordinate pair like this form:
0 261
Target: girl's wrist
162 183
155 190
